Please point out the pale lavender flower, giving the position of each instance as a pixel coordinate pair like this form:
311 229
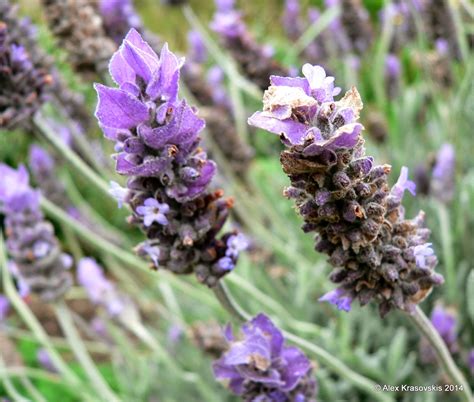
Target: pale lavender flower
339 297
118 192
153 211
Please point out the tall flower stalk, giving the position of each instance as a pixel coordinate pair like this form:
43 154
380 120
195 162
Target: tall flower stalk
157 143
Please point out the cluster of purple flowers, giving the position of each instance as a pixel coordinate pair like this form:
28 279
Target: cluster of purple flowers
78 27
38 260
157 143
261 367
22 34
22 86
345 198
255 60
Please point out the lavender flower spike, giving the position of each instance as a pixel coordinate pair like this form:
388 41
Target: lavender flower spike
260 367
100 290
22 86
443 175
345 198
253 58
38 260
156 135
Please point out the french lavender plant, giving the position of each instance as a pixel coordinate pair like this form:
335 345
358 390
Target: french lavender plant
345 198
23 87
254 60
157 143
38 260
261 367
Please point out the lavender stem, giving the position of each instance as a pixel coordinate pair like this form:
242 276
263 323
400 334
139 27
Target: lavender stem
229 304
71 157
82 355
445 359
31 321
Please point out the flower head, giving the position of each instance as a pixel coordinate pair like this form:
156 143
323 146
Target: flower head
261 367
23 86
157 142
344 197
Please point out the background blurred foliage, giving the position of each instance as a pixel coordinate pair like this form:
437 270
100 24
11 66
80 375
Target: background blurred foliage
419 121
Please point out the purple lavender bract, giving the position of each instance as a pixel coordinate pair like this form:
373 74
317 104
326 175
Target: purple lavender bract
157 140
345 198
261 367
31 242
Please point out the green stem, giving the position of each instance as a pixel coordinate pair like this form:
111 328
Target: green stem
31 321
65 152
81 353
229 304
30 372
448 255
8 384
359 381
423 324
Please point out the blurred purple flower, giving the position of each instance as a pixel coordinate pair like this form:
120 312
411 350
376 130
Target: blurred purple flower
4 307
443 176
197 49
260 367
45 360
100 290
38 262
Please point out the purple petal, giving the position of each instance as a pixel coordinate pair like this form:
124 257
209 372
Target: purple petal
117 109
